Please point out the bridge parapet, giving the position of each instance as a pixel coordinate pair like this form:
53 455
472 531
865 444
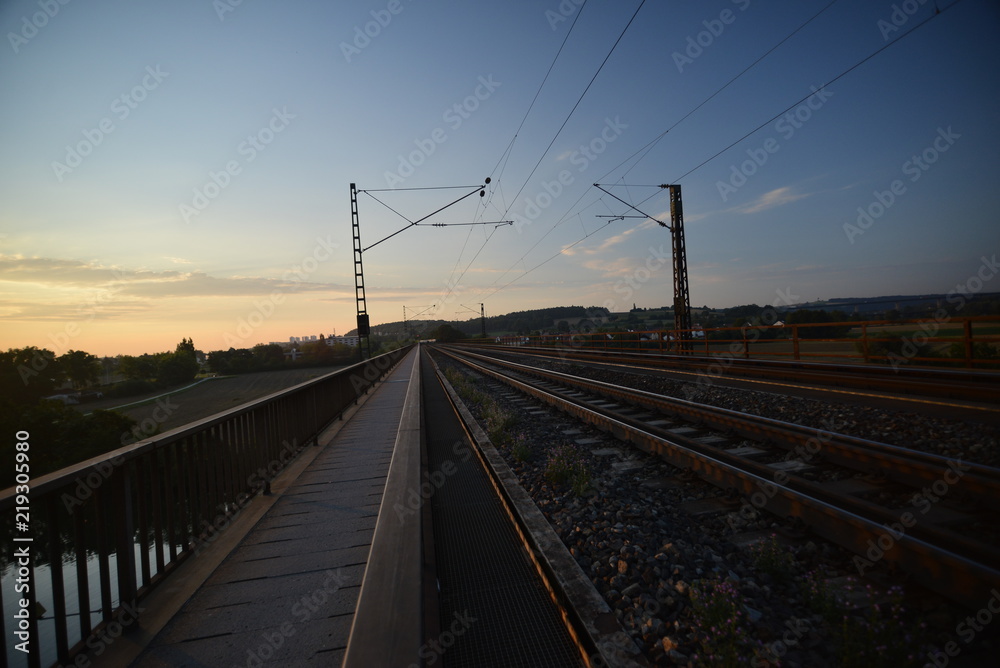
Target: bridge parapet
119 524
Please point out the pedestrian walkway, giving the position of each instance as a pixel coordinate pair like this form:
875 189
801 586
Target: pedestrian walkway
286 595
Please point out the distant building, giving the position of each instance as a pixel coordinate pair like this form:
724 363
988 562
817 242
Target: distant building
330 340
342 340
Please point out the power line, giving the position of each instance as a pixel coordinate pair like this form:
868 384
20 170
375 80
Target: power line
505 156
510 146
565 121
579 100
937 13
556 136
708 99
853 67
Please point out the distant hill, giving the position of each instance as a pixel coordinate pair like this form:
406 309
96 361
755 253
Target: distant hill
508 323
873 305
577 317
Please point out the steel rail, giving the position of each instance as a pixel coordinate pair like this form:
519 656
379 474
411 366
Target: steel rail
906 466
947 383
957 576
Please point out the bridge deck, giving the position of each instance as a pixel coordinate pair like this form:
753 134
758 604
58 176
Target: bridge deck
287 594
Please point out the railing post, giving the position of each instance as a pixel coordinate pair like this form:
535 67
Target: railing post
125 534
864 342
53 511
967 326
795 341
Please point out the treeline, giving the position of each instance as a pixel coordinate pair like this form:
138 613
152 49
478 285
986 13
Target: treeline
148 372
518 322
271 356
60 435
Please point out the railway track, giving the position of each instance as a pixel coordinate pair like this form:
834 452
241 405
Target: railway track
927 515
974 386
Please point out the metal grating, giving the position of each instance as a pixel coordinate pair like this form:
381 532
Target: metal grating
482 568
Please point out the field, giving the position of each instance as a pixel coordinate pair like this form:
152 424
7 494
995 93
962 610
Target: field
207 398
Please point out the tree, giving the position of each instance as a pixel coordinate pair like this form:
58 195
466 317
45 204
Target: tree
81 368
186 345
28 374
268 355
446 333
143 367
60 435
177 368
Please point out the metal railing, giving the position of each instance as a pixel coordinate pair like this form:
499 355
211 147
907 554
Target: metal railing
971 342
91 540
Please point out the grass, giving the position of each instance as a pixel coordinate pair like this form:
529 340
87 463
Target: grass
723 627
566 465
873 629
770 557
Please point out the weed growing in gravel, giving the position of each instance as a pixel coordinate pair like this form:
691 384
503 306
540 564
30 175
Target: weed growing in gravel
465 387
499 422
770 557
882 636
566 464
820 597
520 450
874 631
722 624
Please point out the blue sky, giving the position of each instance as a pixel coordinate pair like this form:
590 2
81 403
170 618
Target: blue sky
182 169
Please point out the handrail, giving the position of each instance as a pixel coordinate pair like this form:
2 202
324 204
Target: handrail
387 629
791 341
118 524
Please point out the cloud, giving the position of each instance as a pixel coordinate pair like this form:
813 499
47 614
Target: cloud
610 242
771 200
74 277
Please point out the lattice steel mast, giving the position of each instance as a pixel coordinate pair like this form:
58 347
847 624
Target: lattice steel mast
364 342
